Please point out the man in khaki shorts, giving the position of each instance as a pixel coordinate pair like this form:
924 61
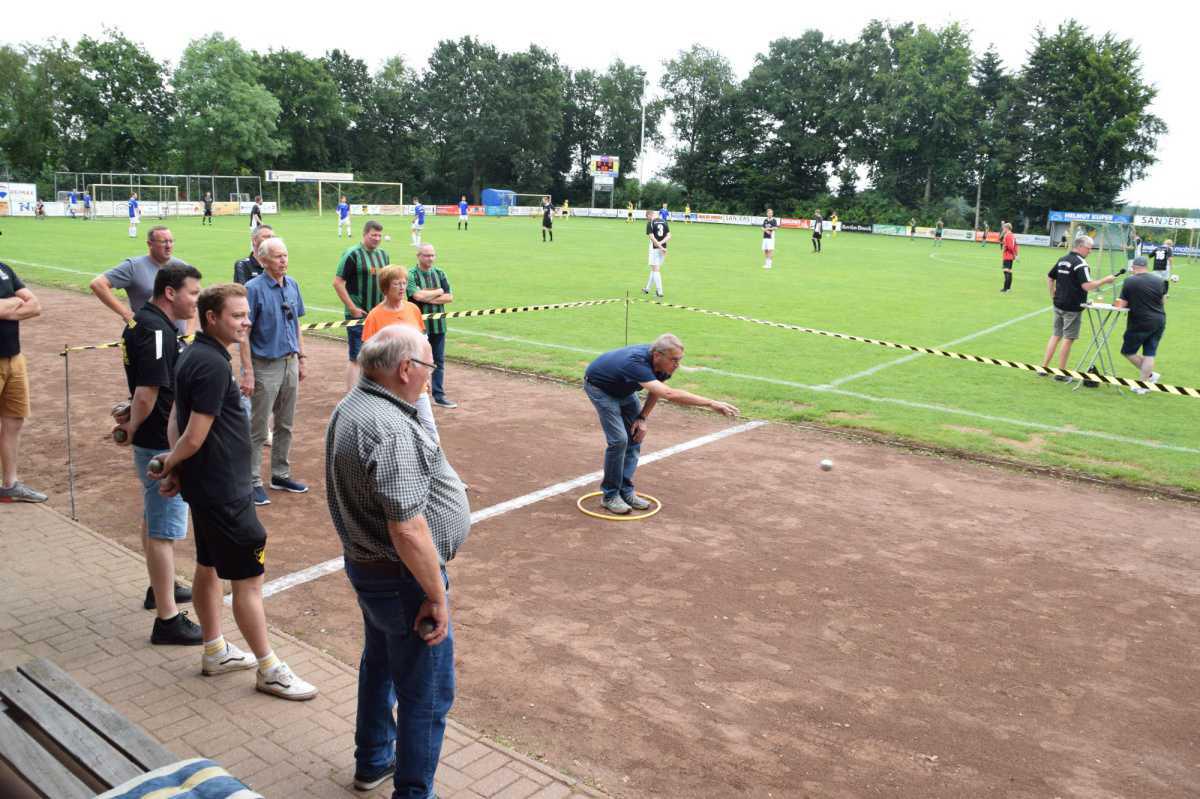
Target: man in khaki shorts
17 304
1069 282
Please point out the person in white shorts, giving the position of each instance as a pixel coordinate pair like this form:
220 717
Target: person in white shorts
658 231
135 216
770 223
343 212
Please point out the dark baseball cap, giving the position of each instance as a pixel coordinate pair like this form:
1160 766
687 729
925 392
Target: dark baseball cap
1139 261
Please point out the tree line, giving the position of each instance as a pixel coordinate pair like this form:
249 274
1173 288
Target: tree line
906 120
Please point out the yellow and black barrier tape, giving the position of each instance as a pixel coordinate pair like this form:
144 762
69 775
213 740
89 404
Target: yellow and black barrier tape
558 306
1096 377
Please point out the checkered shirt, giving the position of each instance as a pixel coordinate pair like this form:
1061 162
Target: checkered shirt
381 466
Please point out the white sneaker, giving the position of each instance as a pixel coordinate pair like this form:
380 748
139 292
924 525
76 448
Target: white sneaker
281 682
766 266
1154 377
232 659
1139 390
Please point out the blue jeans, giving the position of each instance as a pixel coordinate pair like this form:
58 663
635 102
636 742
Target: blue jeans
166 517
617 415
437 342
398 668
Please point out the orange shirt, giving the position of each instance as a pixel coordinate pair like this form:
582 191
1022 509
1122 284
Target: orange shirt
381 316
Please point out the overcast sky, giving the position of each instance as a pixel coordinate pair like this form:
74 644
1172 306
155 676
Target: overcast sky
593 34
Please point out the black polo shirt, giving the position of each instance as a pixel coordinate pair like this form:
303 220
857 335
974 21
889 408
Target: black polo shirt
10 329
219 472
150 348
246 268
1145 293
1069 275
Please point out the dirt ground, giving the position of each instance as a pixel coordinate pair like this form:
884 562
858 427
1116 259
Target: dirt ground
902 626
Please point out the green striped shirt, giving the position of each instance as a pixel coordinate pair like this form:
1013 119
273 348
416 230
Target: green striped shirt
433 279
360 269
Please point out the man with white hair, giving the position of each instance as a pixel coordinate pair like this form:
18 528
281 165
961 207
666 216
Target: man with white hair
275 367
1069 283
611 383
401 513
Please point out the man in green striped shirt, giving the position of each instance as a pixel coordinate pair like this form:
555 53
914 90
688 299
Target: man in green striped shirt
357 286
430 289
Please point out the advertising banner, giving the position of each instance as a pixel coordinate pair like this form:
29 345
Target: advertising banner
855 227
1173 222
1088 216
17 199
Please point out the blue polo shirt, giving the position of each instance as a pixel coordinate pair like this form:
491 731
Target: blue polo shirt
275 311
620 373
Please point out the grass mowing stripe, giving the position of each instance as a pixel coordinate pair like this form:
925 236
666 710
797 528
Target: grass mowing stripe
828 389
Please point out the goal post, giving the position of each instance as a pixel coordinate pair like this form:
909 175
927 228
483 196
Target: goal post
111 200
360 193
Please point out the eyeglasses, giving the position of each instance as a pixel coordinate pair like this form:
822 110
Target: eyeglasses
287 310
426 364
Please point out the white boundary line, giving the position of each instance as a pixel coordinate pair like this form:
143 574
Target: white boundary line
1070 431
915 355
337 564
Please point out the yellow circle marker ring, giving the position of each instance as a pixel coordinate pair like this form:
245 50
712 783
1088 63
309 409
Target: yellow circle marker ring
612 517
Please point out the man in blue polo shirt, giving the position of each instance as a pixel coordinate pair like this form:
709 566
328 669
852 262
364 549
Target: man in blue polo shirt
275 367
611 383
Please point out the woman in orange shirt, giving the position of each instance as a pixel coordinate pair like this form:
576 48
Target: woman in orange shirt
397 310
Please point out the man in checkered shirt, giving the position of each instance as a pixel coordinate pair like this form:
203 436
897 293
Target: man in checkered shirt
401 512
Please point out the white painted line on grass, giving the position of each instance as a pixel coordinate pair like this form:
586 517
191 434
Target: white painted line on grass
915 355
337 564
54 268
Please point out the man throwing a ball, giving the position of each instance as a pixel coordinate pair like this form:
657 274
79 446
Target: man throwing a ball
612 382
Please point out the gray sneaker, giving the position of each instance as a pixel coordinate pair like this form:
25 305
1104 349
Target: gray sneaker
19 492
616 505
635 502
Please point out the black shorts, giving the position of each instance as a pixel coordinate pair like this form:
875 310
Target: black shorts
547 223
1008 264
230 539
208 212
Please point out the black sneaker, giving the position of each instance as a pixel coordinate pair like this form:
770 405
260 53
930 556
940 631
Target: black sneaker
182 594
1062 378
179 631
369 782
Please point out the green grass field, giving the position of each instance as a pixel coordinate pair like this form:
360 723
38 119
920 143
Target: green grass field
873 286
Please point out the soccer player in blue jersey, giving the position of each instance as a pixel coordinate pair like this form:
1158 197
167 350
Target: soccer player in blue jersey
72 199
343 213
135 215
418 221
664 214
462 213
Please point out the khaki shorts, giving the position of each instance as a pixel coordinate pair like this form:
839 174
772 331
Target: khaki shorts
14 387
1067 323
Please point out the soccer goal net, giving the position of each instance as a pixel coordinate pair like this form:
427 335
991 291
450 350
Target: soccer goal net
365 197
111 200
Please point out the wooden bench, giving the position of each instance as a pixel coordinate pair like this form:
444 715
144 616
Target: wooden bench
65 742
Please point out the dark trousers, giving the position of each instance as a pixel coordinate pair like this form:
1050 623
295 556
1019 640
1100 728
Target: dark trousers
437 342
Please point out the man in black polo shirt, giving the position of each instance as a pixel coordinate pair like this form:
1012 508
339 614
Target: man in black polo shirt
210 464
1143 294
150 348
248 267
1069 283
